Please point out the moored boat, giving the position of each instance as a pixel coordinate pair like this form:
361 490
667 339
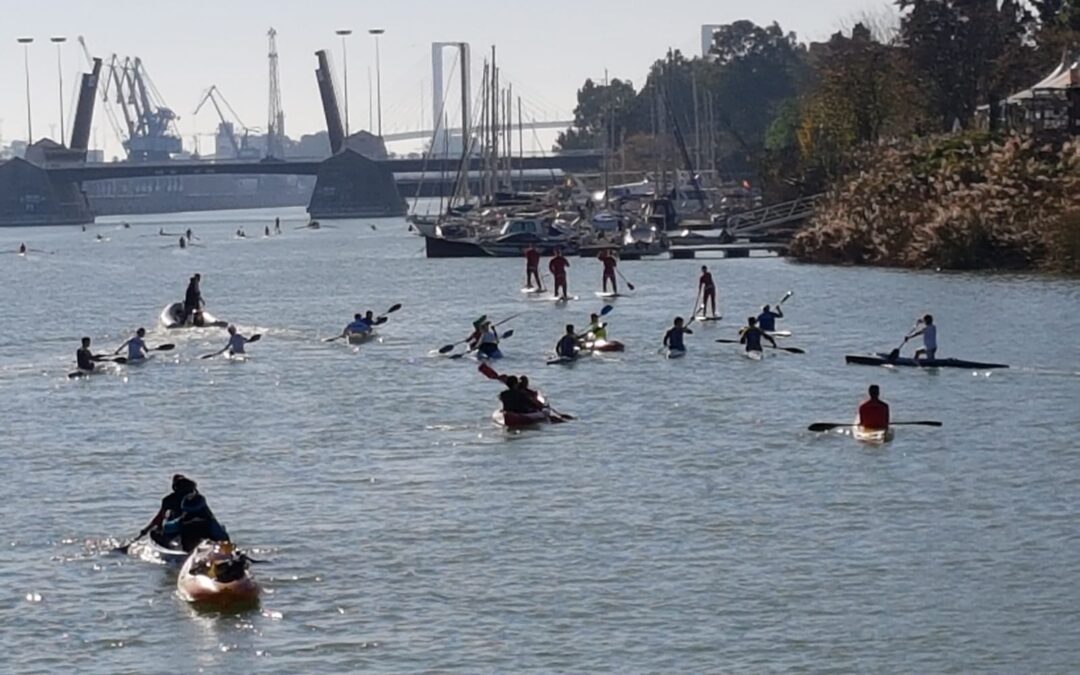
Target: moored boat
882 359
217 574
173 317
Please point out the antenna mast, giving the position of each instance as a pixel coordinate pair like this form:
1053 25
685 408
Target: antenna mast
275 126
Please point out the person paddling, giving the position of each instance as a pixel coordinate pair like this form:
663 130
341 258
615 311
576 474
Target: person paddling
752 334
361 324
532 268
182 486
558 265
597 330
22 248
136 347
277 225
535 398
673 339
486 342
929 338
610 263
874 413
183 243
567 346
84 358
708 290
193 299
514 399
195 523
767 319
234 346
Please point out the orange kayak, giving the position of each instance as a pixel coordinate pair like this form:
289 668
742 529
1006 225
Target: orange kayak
215 573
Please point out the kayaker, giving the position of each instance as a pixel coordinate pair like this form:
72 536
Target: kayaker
596 330
708 291
610 262
359 325
192 298
236 342
137 350
535 399
929 338
874 413
84 358
751 336
188 234
673 339
182 486
514 399
767 319
488 342
183 243
22 249
532 268
195 523
567 346
557 265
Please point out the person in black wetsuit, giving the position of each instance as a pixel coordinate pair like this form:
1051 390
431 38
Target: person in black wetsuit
195 523
182 486
752 335
192 299
85 358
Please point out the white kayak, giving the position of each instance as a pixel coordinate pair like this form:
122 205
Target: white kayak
872 436
676 353
360 338
754 355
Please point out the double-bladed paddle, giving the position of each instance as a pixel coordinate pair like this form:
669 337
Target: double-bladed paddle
379 320
160 348
507 334
489 372
829 426
446 349
254 338
792 350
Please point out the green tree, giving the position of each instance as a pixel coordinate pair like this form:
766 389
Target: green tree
599 107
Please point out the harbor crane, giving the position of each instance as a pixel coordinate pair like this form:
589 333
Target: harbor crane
227 127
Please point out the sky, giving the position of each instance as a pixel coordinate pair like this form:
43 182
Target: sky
546 49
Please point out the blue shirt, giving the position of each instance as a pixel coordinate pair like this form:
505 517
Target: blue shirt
567 346
358 326
674 339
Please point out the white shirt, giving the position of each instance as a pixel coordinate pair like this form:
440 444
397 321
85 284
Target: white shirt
236 343
929 337
489 337
136 349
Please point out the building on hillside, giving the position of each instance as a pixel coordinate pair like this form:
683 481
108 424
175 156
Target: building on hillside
1051 105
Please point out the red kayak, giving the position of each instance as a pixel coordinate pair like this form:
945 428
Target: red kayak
511 420
604 346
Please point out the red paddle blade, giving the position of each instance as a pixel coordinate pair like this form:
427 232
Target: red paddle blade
488 372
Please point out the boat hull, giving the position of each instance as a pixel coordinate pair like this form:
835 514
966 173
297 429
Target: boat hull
882 359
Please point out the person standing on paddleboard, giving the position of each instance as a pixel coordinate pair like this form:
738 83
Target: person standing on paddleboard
532 268
929 338
751 336
192 298
874 413
673 339
708 292
137 350
610 262
557 265
84 358
767 319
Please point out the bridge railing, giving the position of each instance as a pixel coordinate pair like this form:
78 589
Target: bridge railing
761 219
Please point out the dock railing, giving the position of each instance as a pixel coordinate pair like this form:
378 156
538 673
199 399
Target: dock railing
784 214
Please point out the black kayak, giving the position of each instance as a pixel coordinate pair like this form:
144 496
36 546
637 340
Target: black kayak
882 359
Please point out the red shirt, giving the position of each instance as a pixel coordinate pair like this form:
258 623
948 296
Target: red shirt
532 258
874 414
558 266
706 280
609 263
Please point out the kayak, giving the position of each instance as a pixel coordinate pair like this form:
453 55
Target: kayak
882 359
562 361
604 346
148 550
172 317
481 356
780 333
215 573
676 353
871 436
360 338
754 355
511 420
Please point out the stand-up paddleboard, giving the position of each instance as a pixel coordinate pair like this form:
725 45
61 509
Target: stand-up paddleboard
609 295
707 319
533 290
560 299
173 315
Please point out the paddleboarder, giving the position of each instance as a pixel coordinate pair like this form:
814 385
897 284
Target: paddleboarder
751 336
84 358
873 412
610 262
767 319
557 265
929 338
673 339
136 347
193 300
532 268
707 289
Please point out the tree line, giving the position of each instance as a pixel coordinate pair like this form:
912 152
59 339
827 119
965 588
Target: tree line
788 115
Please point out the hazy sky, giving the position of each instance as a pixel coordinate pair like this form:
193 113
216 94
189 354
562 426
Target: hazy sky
546 49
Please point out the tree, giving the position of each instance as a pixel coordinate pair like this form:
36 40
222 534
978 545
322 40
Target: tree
599 106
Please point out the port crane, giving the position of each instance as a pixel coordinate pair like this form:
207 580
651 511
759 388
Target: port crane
227 127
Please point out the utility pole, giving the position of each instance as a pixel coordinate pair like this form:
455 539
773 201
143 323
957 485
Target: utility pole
344 33
25 42
378 75
59 40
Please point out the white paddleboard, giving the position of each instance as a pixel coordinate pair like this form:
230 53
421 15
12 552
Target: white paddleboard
532 290
707 319
609 294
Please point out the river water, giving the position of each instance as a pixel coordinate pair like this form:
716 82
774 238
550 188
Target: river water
687 522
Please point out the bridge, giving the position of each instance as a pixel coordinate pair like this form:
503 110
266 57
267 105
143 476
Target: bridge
427 134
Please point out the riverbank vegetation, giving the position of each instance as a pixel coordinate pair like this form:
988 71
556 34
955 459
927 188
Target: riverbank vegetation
882 118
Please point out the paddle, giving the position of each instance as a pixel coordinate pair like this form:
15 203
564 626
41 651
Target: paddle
895 354
446 349
793 350
160 348
254 338
828 426
379 320
489 372
507 334
786 296
123 548
623 277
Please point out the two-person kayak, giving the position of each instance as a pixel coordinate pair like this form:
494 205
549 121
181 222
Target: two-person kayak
217 574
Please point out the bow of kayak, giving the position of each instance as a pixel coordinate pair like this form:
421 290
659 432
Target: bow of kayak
604 346
216 574
872 436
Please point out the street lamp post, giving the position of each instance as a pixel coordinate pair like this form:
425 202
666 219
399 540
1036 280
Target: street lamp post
344 33
59 40
378 76
25 42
